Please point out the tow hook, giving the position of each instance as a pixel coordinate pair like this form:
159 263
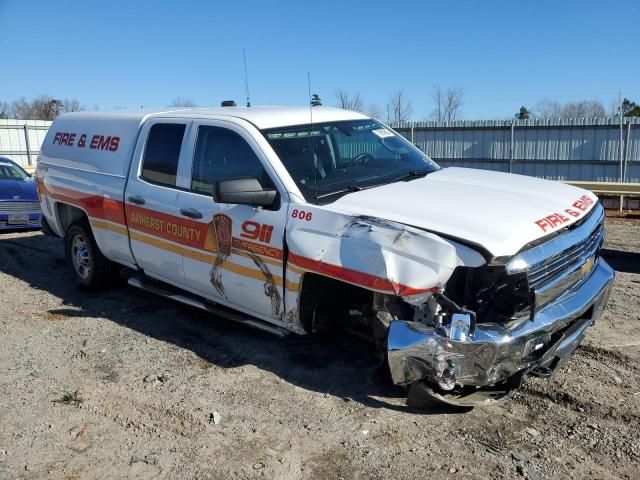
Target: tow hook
460 329
448 378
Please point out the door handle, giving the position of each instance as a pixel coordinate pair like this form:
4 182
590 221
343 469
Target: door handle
190 212
137 199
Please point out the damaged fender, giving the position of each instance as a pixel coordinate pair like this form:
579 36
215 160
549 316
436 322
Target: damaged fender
373 253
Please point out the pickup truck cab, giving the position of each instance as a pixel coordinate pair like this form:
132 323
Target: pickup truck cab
293 220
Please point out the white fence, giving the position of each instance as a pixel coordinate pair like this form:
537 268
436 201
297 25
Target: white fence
593 149
20 140
574 149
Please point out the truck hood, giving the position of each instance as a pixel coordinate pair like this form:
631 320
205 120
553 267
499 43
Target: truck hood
500 212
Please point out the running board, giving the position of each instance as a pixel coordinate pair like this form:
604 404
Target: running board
167 291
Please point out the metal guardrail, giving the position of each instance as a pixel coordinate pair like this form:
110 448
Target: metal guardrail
610 189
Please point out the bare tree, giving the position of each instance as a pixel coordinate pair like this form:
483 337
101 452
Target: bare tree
43 107
71 105
399 108
349 101
5 110
547 108
40 108
583 109
46 108
373 111
448 104
182 102
22 109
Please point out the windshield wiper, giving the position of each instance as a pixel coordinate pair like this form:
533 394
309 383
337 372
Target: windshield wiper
411 174
358 188
348 189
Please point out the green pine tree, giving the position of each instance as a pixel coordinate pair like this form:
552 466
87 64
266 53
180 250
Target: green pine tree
523 114
315 100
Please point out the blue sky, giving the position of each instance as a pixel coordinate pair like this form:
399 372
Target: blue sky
504 54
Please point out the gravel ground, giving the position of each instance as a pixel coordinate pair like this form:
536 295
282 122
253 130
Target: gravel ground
124 384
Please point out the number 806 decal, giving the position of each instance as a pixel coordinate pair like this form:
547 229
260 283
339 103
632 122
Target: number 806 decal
301 215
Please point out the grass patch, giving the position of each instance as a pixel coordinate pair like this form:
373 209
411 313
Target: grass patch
69 398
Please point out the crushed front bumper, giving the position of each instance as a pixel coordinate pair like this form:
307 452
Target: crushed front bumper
494 352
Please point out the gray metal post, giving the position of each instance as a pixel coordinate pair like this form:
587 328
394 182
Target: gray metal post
626 152
621 146
511 145
412 141
26 142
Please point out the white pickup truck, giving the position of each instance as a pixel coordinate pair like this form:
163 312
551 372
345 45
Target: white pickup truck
299 220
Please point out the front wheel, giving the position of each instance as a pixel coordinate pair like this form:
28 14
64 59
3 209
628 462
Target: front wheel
423 394
90 270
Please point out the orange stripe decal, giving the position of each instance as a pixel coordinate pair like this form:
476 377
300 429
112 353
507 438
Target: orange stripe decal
209 258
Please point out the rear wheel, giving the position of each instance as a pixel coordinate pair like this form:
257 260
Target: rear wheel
90 270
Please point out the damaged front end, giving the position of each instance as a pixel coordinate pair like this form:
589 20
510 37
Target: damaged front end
492 326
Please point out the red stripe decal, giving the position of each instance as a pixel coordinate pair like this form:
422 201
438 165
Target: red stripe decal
95 205
176 229
193 234
259 248
356 277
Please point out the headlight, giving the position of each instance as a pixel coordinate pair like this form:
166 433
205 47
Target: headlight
491 292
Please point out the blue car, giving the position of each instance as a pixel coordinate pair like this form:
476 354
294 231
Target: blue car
19 205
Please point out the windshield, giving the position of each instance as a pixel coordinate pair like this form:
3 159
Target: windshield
9 171
327 160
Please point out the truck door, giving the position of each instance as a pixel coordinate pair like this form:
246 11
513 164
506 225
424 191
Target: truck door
240 263
157 230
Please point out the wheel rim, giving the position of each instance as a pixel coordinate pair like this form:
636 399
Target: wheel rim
81 256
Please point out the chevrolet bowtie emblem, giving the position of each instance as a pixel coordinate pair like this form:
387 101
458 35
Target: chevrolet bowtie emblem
588 265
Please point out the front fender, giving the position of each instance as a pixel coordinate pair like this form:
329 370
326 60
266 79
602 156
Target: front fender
374 253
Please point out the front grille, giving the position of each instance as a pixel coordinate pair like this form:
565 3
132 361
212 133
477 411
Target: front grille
553 267
557 265
12 207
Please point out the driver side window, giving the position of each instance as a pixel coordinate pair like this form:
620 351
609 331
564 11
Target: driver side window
222 154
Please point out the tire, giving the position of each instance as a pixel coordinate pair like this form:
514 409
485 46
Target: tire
423 394
89 268
46 229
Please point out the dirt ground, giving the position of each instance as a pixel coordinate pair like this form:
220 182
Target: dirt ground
122 384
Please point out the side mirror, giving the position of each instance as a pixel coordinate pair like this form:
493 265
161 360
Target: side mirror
244 191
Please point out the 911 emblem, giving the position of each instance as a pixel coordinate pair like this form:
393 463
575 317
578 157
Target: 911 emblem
256 231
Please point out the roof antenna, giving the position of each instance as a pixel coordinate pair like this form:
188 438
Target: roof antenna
246 78
313 153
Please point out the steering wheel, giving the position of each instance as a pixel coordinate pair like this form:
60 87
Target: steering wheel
362 159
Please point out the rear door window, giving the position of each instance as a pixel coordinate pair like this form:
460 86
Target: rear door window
162 152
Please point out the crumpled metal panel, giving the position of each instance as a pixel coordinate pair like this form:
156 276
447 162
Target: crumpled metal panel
408 261
495 352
